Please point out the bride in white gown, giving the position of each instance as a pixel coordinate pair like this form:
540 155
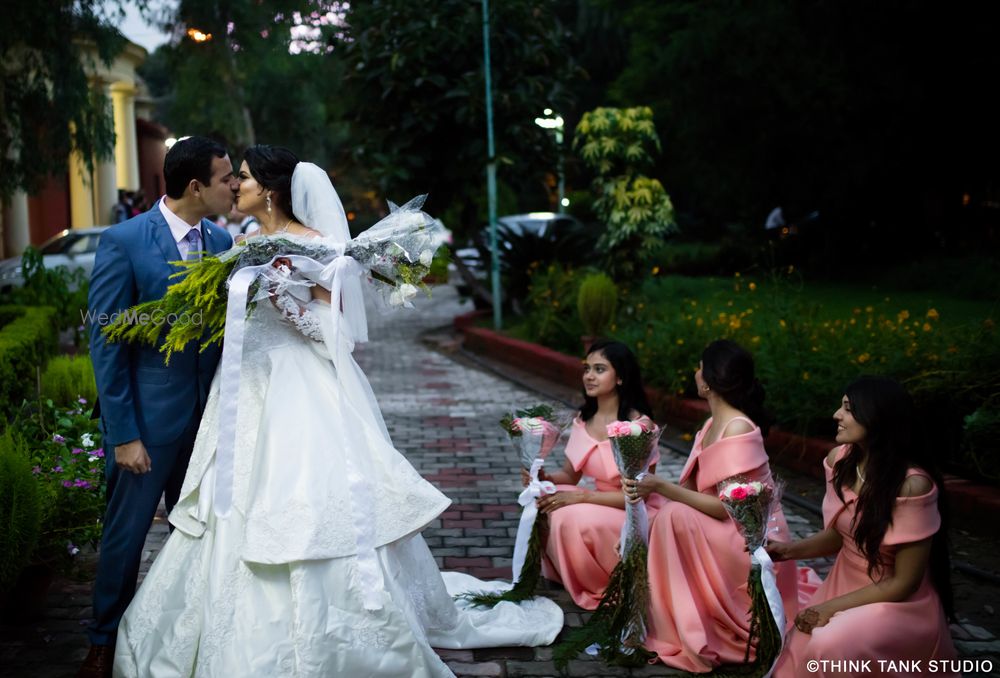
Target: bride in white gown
297 548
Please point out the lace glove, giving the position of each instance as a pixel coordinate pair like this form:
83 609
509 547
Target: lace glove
304 319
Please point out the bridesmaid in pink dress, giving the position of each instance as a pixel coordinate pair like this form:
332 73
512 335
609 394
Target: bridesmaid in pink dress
585 525
698 564
888 595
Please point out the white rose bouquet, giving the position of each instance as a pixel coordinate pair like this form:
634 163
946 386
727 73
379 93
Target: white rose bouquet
396 254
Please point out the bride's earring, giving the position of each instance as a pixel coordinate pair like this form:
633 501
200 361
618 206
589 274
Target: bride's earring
268 201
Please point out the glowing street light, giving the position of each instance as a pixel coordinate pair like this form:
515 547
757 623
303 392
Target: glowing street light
556 124
198 36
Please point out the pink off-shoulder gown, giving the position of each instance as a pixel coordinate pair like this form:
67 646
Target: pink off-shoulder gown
698 565
580 548
912 629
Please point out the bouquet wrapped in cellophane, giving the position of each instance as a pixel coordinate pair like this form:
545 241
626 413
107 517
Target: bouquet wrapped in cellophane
617 629
751 504
533 433
396 254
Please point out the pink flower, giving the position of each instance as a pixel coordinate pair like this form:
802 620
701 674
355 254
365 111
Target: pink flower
739 492
57 469
36 470
67 483
58 438
619 428
76 450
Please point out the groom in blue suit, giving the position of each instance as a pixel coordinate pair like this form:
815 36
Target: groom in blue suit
149 412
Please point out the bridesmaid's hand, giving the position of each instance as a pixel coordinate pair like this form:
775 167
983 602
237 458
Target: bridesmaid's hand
551 502
526 477
779 550
639 490
813 618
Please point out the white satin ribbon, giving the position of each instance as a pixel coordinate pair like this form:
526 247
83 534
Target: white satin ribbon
770 584
535 489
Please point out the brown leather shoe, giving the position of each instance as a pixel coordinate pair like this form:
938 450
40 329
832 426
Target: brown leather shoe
99 662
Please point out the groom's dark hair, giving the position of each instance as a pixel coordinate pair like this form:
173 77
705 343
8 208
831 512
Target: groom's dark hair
189 159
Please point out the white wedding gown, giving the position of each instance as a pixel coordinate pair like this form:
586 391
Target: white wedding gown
275 588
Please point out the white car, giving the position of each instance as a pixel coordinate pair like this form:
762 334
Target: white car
73 248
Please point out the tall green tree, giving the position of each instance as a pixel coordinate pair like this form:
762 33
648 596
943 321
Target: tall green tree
877 114
47 106
416 81
266 74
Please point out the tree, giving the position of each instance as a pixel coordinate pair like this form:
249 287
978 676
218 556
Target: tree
415 78
265 74
876 114
47 105
617 144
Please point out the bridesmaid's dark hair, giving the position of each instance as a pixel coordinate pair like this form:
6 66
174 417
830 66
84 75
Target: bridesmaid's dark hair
272 167
728 370
887 413
631 392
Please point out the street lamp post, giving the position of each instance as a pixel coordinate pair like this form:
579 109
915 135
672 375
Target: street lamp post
491 175
556 124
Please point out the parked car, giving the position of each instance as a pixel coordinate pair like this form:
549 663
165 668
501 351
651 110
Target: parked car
533 226
73 248
524 240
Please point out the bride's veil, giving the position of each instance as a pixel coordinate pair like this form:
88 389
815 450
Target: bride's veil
316 204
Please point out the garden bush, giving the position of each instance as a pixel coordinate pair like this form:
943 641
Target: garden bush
807 349
596 303
26 342
67 378
20 509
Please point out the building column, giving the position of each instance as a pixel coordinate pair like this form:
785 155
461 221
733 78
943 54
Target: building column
126 150
81 193
17 229
105 191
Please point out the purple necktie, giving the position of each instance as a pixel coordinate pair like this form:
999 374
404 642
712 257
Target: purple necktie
193 238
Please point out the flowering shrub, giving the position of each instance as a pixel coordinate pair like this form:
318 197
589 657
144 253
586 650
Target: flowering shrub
805 351
68 462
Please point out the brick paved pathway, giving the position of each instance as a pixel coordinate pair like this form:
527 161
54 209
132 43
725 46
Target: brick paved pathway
442 413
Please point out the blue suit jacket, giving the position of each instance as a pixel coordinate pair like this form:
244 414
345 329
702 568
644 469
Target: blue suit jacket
139 396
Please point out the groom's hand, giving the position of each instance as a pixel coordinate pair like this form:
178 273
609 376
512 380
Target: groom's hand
132 457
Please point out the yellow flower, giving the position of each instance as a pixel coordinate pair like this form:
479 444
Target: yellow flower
755 340
863 358
854 321
927 327
902 315
753 286
782 323
736 275
933 314
639 344
656 269
699 322
868 309
805 376
694 302
680 342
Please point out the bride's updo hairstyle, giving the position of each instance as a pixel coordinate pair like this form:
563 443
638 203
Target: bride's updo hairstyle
272 167
728 370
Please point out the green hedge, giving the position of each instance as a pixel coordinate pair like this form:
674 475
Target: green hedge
20 509
26 342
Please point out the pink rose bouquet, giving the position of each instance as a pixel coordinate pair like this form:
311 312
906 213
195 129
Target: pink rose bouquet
750 505
618 624
533 435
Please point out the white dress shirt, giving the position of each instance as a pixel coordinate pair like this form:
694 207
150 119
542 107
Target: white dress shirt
179 228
